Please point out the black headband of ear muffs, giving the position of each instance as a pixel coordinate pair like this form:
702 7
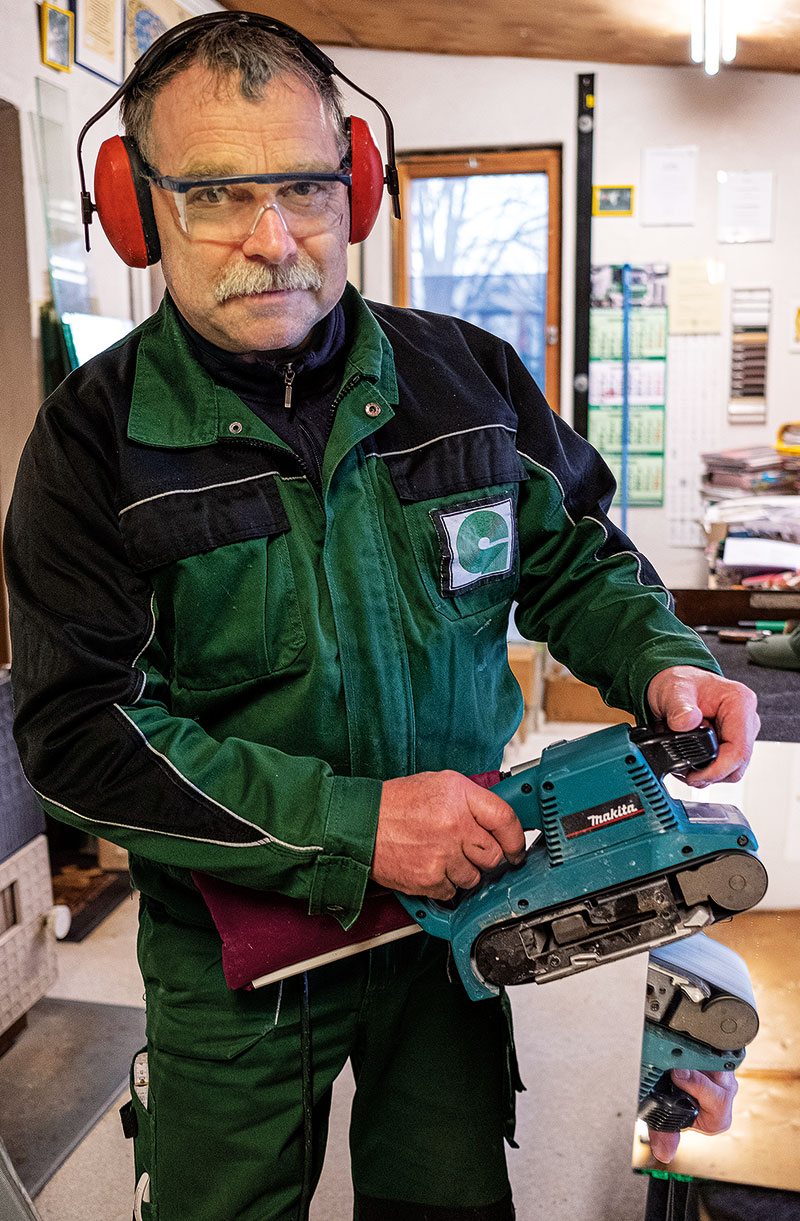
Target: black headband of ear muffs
166 47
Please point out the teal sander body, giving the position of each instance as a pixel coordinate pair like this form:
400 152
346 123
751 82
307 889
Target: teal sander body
618 865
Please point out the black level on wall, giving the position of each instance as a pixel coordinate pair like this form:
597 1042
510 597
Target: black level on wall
583 251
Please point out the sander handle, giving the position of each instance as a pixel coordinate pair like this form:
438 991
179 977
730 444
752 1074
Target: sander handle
664 750
676 751
668 1108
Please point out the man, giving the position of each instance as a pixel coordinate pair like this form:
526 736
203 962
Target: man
261 557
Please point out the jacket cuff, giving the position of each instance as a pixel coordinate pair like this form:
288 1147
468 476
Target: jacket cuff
652 662
341 870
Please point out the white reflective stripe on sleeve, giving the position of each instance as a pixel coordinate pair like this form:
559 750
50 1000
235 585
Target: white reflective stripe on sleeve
601 525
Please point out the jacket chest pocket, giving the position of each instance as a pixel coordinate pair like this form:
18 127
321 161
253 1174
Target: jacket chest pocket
460 512
219 561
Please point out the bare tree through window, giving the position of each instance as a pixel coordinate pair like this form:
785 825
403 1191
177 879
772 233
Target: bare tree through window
480 246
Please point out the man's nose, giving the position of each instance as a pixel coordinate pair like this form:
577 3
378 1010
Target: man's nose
269 238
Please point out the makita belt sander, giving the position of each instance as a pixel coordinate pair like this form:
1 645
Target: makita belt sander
619 866
699 1014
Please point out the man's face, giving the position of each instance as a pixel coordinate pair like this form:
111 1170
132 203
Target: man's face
203 127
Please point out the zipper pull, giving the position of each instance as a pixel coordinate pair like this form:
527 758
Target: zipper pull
288 382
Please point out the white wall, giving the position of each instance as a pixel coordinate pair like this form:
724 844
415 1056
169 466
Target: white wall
738 121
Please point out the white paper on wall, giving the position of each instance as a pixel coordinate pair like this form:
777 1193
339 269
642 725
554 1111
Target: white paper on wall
744 206
696 402
696 297
669 186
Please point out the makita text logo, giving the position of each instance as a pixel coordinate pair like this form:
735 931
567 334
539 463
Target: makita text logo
620 811
630 805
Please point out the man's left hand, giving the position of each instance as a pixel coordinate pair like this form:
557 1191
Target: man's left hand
683 695
714 1092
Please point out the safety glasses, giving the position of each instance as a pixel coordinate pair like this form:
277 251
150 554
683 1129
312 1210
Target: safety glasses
228 209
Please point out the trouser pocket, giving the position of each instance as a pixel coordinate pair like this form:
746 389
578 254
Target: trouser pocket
137 1124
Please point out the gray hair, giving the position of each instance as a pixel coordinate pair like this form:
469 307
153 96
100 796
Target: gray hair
255 56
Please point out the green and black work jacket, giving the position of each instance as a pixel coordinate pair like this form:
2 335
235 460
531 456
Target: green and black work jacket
215 665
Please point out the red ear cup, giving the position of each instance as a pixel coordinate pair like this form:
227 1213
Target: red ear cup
366 191
124 205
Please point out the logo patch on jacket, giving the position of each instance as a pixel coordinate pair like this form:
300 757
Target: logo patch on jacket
478 543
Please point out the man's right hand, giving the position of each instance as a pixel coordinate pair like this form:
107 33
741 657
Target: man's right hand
438 831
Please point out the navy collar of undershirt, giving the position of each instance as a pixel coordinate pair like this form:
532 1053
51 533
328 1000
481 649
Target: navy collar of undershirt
261 376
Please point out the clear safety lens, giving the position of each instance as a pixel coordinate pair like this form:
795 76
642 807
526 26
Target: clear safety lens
230 213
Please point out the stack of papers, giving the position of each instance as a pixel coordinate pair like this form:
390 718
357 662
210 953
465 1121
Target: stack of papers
750 555
753 535
746 471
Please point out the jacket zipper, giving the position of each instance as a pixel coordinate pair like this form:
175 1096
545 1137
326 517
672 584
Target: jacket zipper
343 391
312 448
254 441
289 375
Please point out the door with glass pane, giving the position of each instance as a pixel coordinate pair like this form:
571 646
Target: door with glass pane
481 238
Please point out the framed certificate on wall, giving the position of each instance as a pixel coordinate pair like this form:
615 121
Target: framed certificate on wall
98 37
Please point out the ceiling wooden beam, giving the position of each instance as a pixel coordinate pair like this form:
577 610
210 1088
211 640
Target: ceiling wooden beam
590 31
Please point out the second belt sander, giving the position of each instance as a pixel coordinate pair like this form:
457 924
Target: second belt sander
700 1013
618 865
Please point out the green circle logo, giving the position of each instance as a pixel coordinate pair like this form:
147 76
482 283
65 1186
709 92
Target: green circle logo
482 543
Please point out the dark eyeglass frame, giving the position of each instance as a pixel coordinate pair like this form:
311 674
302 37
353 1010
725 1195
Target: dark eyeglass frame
184 185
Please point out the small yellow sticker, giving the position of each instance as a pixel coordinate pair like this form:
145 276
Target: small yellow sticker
612 201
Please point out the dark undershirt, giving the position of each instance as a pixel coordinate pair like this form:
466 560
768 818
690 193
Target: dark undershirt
260 380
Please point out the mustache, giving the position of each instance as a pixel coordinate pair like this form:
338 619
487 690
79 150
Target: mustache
247 279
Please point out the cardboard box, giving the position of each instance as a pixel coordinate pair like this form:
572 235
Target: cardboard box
525 660
568 699
110 856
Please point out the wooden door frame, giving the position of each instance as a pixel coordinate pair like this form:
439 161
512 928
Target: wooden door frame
490 161
19 358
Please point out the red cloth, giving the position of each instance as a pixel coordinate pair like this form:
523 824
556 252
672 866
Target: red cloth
486 779
263 932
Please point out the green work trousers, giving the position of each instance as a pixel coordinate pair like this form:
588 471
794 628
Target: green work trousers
221 1134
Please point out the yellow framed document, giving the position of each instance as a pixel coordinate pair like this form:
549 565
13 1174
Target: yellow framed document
56 37
612 201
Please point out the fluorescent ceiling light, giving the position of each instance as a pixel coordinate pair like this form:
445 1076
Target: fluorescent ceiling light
697 35
713 33
729 31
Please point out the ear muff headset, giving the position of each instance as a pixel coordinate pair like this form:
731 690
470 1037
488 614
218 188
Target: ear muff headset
122 190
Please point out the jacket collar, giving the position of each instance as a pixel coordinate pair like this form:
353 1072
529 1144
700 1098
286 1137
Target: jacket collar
177 405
